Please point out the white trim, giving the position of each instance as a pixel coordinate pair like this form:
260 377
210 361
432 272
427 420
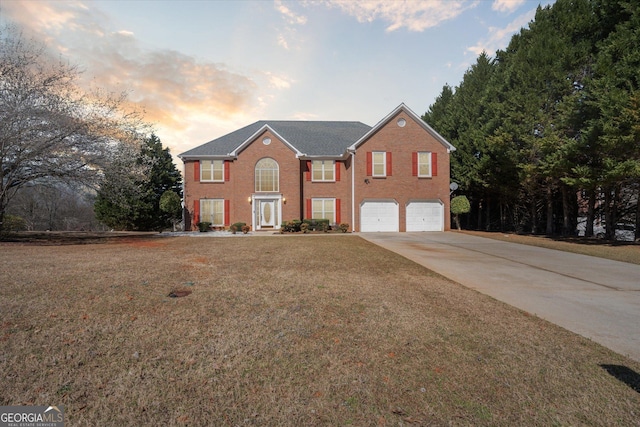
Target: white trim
430 154
353 192
255 135
211 170
324 199
384 164
255 199
414 116
324 170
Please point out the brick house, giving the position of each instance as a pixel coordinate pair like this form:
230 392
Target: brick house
393 176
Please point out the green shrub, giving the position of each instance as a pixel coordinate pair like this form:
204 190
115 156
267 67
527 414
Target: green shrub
204 226
459 205
317 224
235 227
292 226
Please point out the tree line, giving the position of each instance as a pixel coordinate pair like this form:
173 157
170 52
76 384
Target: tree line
548 131
65 149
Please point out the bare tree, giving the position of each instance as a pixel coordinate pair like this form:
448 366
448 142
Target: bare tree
50 129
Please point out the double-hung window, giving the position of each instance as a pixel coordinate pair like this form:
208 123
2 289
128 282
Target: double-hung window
324 209
212 210
379 163
212 170
424 164
323 170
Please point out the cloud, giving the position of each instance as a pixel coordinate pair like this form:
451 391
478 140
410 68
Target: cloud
278 82
498 38
409 14
506 5
291 17
175 90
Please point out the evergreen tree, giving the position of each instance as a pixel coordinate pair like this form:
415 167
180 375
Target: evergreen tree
129 197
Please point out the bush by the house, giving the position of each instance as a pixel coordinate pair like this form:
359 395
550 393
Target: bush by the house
292 226
204 226
237 227
304 227
344 227
317 224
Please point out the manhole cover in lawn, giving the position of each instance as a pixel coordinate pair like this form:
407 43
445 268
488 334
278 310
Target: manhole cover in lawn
179 294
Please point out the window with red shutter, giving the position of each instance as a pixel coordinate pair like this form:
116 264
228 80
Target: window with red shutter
196 211
226 170
196 170
434 164
389 168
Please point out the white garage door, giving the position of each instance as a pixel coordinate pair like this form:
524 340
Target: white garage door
379 216
425 216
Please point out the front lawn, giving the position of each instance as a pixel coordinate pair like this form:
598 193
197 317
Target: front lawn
287 331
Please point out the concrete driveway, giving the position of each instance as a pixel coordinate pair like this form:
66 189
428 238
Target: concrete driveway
594 297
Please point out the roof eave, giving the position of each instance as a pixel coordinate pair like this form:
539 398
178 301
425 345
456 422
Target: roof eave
402 107
263 129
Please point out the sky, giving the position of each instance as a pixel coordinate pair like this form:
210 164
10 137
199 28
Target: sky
201 69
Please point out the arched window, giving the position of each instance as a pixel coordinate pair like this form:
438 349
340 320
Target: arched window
267 176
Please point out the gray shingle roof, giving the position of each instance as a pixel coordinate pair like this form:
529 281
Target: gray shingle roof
312 138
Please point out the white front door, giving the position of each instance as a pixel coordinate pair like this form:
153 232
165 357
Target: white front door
268 213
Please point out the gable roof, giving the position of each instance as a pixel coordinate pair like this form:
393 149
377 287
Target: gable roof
305 138
411 114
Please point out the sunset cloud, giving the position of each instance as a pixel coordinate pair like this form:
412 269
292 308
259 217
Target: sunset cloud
412 15
174 89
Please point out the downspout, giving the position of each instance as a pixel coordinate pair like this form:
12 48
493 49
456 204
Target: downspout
353 190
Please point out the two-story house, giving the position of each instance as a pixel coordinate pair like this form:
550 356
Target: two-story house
393 176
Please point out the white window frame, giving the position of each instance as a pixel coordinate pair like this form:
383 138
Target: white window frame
275 178
212 166
384 163
428 164
326 167
323 210
205 216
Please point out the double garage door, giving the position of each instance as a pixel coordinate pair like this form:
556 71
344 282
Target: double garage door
384 216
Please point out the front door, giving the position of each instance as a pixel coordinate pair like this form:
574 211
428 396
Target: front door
268 213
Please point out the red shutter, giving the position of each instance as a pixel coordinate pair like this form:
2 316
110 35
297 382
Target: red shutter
338 216
196 212
414 163
226 212
196 170
308 170
337 171
369 163
226 170
434 164
388 163
309 211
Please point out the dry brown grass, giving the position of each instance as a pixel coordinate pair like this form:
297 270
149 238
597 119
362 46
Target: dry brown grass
284 330
617 251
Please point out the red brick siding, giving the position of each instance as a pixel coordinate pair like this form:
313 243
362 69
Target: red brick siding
402 185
